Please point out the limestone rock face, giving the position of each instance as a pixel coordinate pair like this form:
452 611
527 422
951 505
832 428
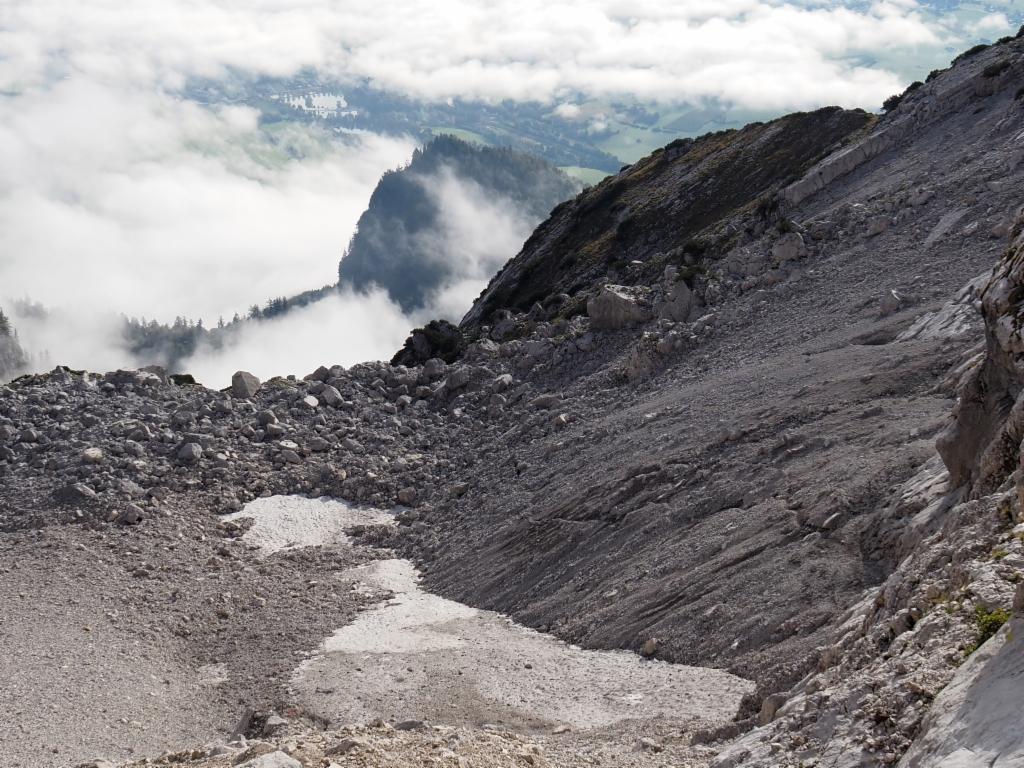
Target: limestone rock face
982 445
618 306
974 720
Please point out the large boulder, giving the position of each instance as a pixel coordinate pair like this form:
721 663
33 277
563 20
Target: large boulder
437 339
244 384
619 306
789 247
975 720
678 300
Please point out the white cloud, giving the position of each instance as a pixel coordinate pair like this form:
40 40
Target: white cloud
86 340
477 233
342 329
992 22
568 111
118 198
758 53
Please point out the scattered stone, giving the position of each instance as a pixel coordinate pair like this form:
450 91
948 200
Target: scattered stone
131 515
409 725
190 452
92 456
244 385
272 760
618 306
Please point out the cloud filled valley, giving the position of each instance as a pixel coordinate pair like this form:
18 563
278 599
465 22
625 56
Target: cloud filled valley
123 195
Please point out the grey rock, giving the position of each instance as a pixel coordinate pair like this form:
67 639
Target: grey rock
409 725
244 385
272 760
76 492
501 383
190 452
275 723
789 247
330 395
769 706
458 378
92 455
131 515
320 374
890 303
546 401
677 303
618 306
434 369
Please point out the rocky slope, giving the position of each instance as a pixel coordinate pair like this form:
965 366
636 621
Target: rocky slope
740 423
710 439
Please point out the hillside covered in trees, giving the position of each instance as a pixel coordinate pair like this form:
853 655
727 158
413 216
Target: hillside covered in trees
403 242
12 357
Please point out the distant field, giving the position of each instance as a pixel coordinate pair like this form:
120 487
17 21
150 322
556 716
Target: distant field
586 175
460 133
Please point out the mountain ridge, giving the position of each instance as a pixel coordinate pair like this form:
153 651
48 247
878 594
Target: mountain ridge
725 459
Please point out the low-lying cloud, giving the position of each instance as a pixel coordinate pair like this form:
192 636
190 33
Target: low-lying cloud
342 329
155 206
754 53
477 233
120 194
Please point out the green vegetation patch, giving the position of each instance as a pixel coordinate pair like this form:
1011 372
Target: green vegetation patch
988 623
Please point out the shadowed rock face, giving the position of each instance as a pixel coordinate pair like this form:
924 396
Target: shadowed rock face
657 210
982 445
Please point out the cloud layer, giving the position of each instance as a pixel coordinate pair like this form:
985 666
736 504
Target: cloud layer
756 53
146 204
342 329
119 194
